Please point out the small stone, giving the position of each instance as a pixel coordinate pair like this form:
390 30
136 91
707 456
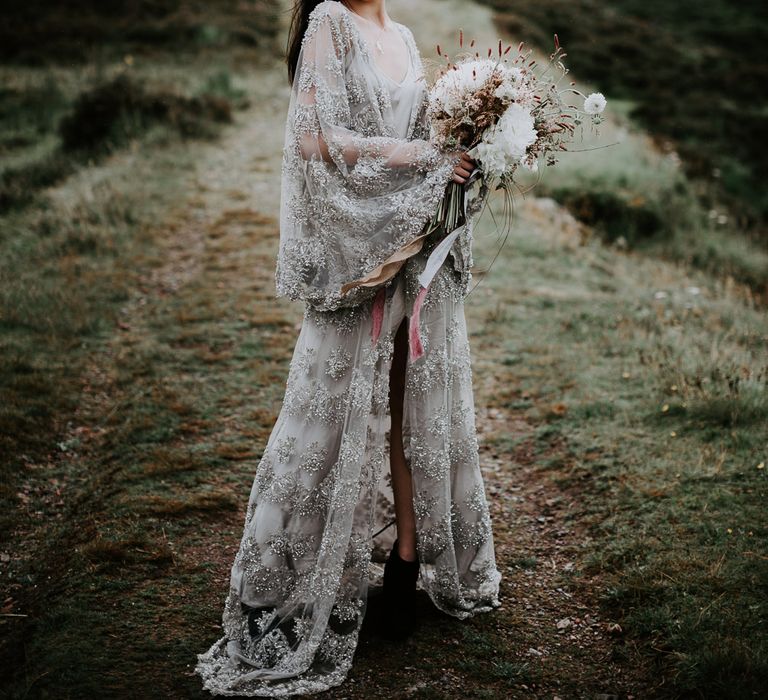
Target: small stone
564 624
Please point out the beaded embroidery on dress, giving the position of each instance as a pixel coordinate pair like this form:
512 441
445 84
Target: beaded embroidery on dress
299 582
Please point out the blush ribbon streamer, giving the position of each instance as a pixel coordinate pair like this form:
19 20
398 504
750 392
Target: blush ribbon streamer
434 262
378 314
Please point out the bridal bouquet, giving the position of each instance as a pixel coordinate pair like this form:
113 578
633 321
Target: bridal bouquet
507 113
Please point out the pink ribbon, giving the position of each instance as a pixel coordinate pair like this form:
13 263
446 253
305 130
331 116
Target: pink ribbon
378 314
414 334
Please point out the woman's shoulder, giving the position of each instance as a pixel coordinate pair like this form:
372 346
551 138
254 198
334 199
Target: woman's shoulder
330 15
328 18
405 30
328 8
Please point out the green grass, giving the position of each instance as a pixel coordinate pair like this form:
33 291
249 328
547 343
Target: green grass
72 257
29 113
100 120
64 271
112 413
689 73
633 197
152 472
647 385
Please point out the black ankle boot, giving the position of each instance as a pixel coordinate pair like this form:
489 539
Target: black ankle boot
399 595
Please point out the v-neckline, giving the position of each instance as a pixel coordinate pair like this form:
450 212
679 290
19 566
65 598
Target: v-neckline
369 53
391 79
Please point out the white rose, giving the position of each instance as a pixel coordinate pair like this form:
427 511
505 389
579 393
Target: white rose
514 132
491 157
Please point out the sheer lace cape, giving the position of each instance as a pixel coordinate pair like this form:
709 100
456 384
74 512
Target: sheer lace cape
353 193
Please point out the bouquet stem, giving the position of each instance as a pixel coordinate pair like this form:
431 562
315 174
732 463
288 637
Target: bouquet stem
450 212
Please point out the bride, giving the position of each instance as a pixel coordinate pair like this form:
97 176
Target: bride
371 430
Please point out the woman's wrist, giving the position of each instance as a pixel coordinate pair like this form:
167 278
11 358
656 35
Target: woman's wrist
431 156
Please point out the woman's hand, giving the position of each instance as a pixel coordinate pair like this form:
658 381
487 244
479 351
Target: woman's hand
463 169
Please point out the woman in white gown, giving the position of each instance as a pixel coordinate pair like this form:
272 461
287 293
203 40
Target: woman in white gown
360 181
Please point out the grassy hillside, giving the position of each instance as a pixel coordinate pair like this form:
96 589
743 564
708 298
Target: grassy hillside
107 74
646 388
692 74
38 32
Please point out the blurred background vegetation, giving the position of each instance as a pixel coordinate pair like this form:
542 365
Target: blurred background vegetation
37 32
693 74
634 350
83 78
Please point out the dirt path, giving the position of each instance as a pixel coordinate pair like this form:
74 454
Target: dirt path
547 639
203 342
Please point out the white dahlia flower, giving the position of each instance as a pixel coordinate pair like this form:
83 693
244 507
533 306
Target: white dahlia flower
595 103
505 145
514 132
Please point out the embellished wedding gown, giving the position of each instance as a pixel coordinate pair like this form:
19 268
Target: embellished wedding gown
322 489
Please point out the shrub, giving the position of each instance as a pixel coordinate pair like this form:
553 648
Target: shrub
35 32
613 215
19 185
119 110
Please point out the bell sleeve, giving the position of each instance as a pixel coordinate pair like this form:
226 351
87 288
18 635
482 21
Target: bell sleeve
352 196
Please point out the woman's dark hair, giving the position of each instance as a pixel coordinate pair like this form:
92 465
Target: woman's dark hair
299 21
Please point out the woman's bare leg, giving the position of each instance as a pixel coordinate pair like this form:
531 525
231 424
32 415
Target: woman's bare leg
402 486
